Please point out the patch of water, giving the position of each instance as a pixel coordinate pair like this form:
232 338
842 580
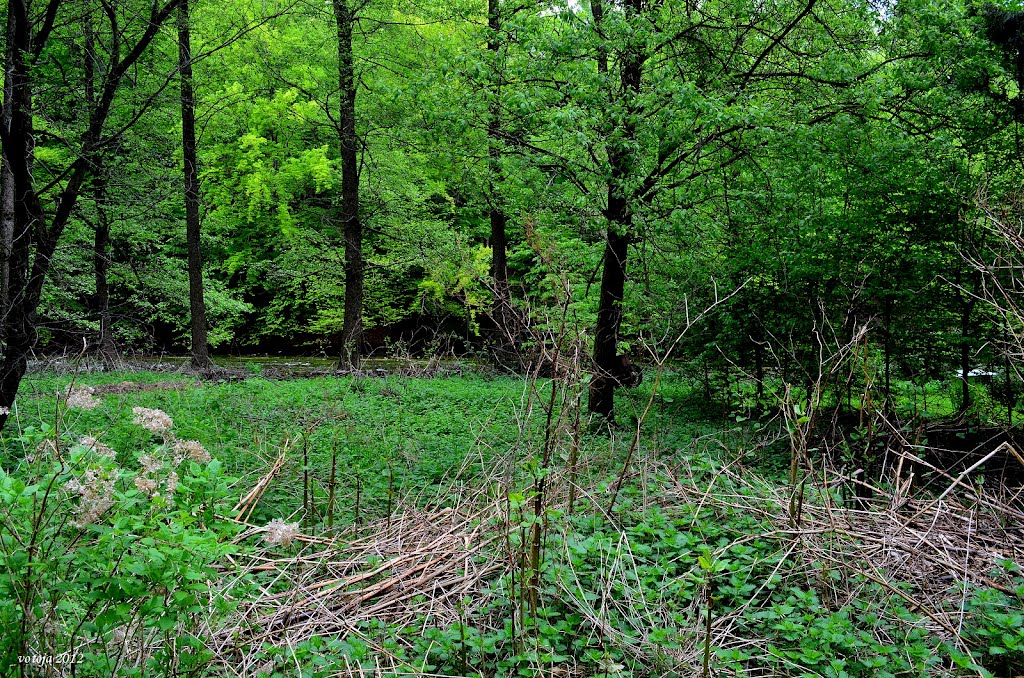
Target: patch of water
296 365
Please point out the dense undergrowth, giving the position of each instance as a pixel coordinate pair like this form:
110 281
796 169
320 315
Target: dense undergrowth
124 549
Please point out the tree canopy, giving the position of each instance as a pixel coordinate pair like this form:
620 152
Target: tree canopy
379 176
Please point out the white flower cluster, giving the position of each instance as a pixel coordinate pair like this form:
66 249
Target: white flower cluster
96 446
95 487
151 486
96 492
150 464
146 482
280 532
159 423
191 449
82 398
154 421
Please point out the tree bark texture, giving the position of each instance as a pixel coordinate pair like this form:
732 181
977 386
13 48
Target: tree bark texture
24 276
351 226
101 264
618 215
506 328
196 299
6 181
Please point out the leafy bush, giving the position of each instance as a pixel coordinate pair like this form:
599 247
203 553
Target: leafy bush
111 557
994 624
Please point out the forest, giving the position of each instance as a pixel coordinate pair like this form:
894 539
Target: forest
507 338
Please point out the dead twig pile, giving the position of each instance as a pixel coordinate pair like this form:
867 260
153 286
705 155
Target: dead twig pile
924 553
414 566
911 556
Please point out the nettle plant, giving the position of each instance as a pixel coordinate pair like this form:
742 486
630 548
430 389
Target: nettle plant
111 565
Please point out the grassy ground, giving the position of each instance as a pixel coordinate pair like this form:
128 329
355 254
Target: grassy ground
420 429
427 548
408 435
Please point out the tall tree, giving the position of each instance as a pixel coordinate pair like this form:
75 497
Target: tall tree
196 300
101 266
101 227
618 211
6 178
41 211
351 226
502 313
685 95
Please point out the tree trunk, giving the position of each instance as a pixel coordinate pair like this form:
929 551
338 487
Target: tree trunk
506 329
24 283
609 317
502 313
196 300
352 228
6 182
618 216
101 241
101 263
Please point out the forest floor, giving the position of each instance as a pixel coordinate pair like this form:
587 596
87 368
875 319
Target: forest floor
463 524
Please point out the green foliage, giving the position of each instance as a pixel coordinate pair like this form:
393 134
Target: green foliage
101 548
624 594
994 624
827 175
409 433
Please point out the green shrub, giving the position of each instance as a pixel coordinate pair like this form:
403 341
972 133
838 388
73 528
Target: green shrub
994 624
113 565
